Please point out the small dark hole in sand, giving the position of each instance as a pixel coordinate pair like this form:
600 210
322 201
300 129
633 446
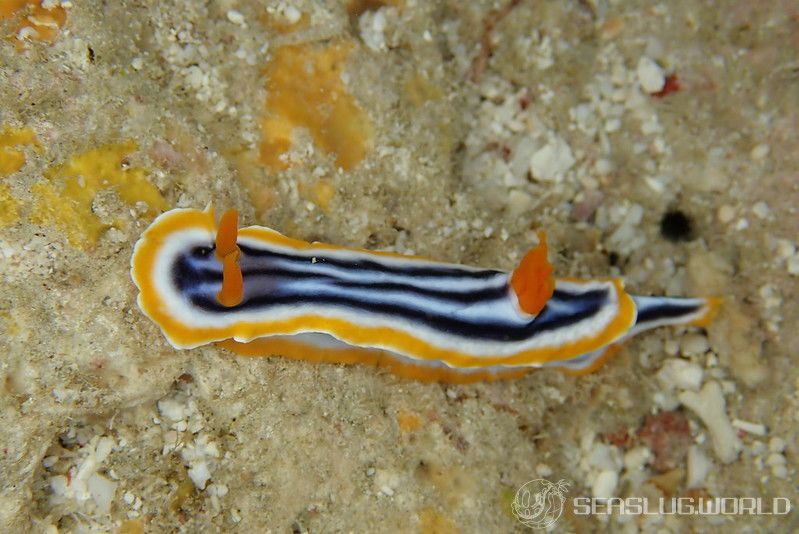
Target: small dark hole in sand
675 225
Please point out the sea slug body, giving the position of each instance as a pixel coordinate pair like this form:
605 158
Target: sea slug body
259 293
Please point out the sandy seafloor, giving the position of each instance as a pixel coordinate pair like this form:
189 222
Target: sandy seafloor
455 143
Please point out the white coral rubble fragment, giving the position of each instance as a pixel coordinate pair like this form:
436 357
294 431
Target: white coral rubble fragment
682 374
699 465
90 490
551 162
710 407
757 429
198 457
372 25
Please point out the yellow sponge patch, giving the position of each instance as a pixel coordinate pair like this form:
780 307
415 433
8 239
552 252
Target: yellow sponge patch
305 91
65 201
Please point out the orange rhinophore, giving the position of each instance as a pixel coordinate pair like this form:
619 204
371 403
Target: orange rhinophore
532 281
227 234
227 251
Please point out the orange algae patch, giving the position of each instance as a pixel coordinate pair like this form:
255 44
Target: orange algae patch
250 173
12 159
65 201
419 89
305 91
320 192
432 522
9 206
9 8
36 23
182 494
131 526
408 421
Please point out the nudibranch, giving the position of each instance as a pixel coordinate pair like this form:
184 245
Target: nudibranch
257 292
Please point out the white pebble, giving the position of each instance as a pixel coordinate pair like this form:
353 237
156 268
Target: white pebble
519 202
604 457
195 424
650 75
651 125
172 409
758 448
665 400
372 25
761 210
779 471
220 490
604 484
137 63
103 448
235 17
694 344
671 347
770 295
775 458
776 444
603 166
785 248
656 183
759 152
543 470
58 485
102 492
292 14
612 125
551 162
725 214
793 265
636 458
200 474
171 442
728 387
